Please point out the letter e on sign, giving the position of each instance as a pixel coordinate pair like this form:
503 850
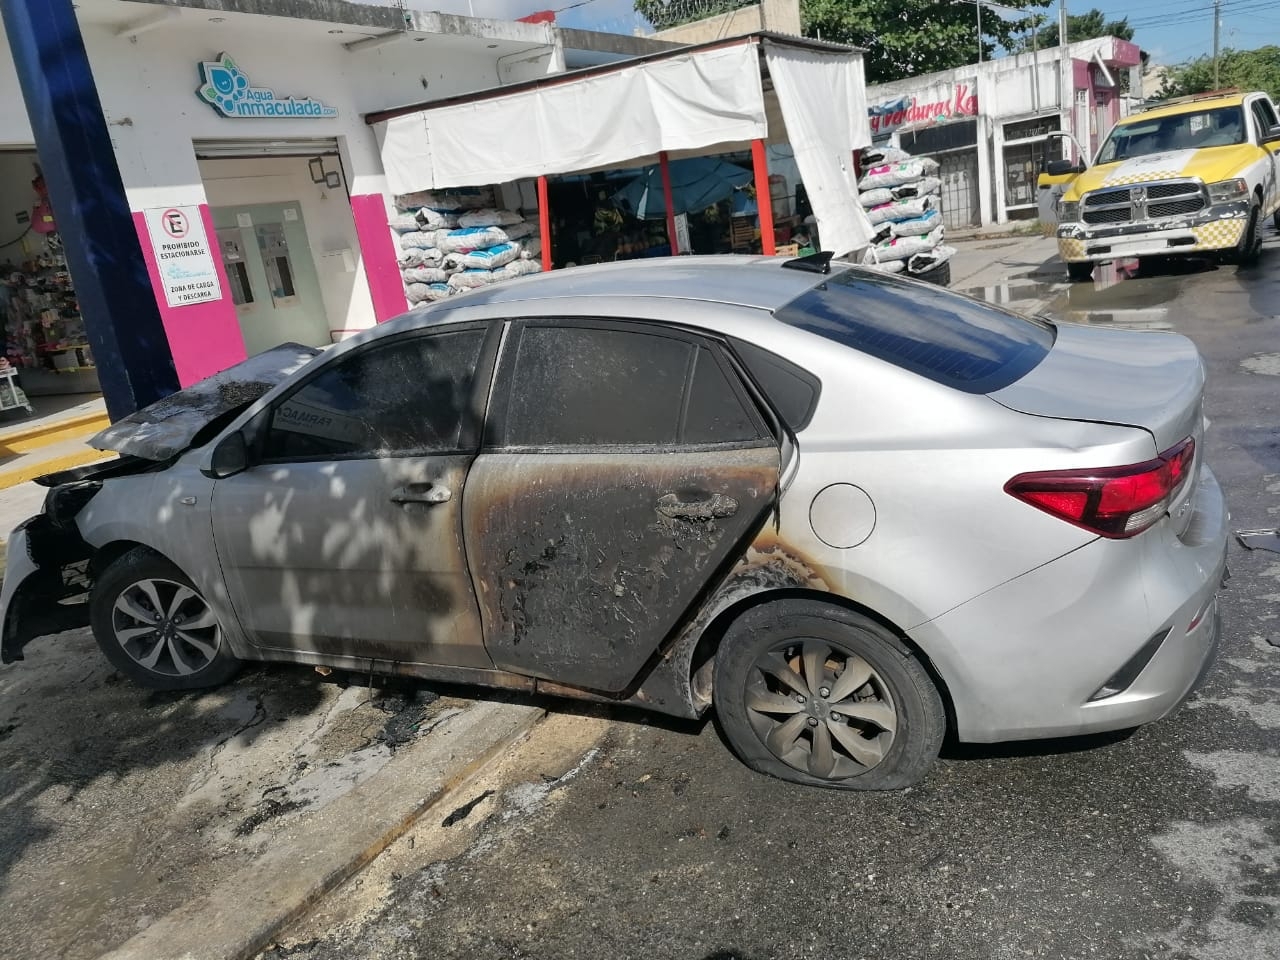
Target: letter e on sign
175 223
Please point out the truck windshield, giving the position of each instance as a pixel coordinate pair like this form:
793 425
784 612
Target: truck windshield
1217 127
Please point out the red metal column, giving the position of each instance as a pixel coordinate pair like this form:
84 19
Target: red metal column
665 167
544 223
764 202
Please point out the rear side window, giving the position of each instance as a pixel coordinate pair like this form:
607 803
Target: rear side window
586 386
950 339
792 390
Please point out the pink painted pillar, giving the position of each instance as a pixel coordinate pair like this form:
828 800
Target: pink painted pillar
378 253
204 338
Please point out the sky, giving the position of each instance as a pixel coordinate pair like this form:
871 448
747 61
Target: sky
1170 30
1173 31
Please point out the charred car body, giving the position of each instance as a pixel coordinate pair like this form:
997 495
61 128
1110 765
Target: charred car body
849 510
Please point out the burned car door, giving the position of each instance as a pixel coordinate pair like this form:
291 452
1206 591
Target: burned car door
625 466
344 537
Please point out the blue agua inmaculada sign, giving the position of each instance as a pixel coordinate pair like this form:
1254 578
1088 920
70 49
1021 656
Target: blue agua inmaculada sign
224 86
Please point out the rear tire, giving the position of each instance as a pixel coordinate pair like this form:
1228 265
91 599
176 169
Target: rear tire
816 694
155 627
1080 272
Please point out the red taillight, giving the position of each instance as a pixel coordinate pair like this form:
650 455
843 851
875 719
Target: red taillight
1116 502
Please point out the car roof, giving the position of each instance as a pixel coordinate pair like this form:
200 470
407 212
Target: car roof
1187 106
744 281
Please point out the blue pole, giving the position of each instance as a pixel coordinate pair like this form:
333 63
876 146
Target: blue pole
122 321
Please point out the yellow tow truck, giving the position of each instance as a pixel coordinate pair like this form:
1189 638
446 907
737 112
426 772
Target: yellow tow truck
1196 176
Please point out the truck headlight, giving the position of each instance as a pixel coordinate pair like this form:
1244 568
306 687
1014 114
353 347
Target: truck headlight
1069 211
1228 190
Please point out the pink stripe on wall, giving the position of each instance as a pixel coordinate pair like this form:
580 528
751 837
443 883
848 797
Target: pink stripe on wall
204 338
378 252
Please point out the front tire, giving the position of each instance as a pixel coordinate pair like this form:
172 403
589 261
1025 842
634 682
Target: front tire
153 625
816 694
1251 243
1080 272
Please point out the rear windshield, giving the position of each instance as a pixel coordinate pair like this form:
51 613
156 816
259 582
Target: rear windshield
941 335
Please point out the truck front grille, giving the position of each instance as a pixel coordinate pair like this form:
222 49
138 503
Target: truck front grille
1143 203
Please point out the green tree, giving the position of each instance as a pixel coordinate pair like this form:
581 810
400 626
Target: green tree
905 38
1246 69
1085 26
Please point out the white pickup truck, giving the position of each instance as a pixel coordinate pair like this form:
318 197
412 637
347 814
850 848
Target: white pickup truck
1190 176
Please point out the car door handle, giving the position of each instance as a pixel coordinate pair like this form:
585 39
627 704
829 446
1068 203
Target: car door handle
715 507
421 493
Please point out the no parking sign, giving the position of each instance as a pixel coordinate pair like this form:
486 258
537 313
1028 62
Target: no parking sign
186 266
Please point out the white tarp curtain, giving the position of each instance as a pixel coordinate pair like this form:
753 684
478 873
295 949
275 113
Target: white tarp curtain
824 104
686 102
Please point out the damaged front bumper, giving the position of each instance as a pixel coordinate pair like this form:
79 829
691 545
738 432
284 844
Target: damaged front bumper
1217 229
46 584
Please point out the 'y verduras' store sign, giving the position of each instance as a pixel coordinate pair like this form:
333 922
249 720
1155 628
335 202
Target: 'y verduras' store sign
224 86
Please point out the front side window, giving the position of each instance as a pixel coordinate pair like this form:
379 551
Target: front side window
1266 117
587 386
948 338
406 397
1215 127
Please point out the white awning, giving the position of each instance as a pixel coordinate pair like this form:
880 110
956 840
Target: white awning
682 103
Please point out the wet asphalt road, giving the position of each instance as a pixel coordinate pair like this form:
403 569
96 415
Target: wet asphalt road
1164 844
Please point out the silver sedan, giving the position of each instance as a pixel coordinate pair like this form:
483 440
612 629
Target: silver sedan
851 512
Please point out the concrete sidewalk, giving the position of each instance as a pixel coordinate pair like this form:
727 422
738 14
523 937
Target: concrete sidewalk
51 441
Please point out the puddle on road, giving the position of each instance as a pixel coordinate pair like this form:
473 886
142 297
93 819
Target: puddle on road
1121 294
1013 294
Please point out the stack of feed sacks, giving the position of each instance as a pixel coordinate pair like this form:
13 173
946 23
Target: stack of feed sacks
900 195
453 241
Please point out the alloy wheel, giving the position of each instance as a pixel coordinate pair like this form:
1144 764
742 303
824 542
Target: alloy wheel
820 709
165 627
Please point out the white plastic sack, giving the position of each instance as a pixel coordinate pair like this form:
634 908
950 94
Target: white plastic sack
876 197
532 249
470 279
420 239
921 225
471 238
488 259
421 257
874 156
890 266
436 219
901 248
901 210
520 268
924 187
518 231
425 275
895 174
488 217
426 292
463 198
404 223
924 262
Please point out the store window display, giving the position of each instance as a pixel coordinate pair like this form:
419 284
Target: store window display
46 350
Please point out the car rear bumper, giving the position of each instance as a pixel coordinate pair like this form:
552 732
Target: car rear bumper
1113 635
1218 229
